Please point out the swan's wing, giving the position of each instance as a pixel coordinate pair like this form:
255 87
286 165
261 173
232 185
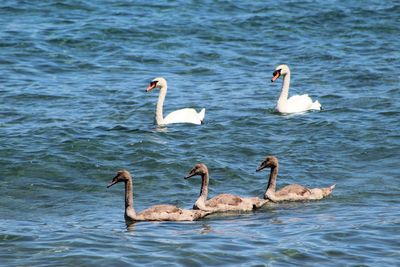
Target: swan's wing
161 209
293 189
163 213
192 215
202 114
171 213
319 193
186 115
224 199
299 103
256 202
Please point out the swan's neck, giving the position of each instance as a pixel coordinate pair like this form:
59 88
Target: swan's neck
130 213
285 89
204 189
160 105
270 191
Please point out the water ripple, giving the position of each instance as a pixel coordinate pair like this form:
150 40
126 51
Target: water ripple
74 111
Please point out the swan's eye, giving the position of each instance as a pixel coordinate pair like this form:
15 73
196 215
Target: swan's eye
277 72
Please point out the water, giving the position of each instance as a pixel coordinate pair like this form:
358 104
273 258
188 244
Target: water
74 110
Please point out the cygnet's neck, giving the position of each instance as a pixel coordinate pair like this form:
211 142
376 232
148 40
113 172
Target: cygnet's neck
204 190
271 188
130 213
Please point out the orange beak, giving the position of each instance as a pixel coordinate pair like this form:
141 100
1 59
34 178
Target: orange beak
276 74
151 86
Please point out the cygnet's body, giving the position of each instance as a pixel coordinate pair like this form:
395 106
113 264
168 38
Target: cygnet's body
222 202
154 213
293 192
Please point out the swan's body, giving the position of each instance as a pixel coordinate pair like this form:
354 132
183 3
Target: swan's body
186 115
293 192
222 202
296 103
154 213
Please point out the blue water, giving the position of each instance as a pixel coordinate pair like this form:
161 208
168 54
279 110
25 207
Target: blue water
73 111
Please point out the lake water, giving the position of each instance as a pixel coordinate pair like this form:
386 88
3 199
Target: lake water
74 110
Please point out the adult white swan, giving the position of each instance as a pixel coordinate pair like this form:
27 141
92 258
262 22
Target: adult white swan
296 103
186 115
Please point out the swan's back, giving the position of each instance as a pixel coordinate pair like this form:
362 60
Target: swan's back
229 202
224 199
299 103
256 202
170 213
319 193
186 115
293 190
297 192
161 208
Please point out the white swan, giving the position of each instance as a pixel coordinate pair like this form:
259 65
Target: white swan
186 115
296 103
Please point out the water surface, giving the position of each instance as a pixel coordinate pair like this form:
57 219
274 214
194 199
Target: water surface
74 110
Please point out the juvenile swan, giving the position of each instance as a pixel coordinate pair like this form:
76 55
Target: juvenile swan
223 202
296 103
186 115
293 192
154 213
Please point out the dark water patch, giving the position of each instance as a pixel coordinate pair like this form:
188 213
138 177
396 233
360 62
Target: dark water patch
37 96
389 113
76 6
122 128
197 71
